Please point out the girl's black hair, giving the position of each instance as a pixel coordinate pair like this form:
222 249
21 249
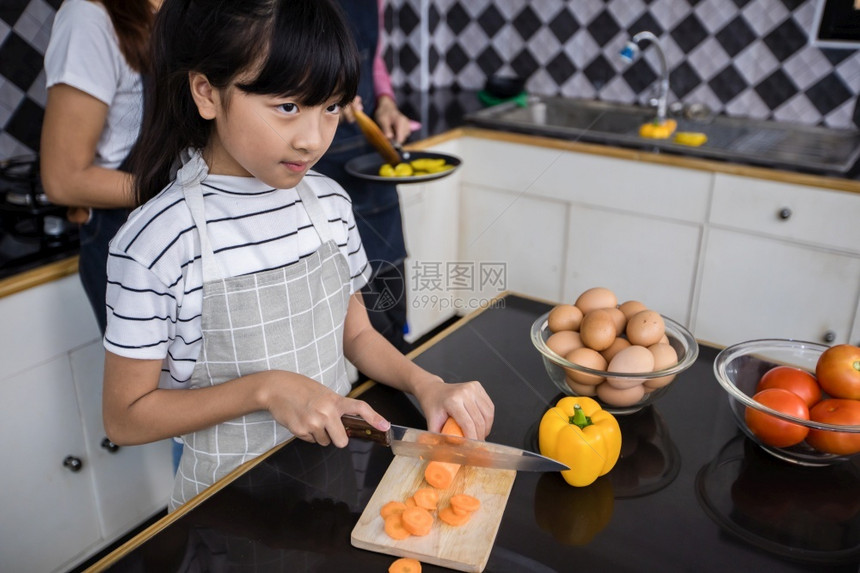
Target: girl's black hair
293 48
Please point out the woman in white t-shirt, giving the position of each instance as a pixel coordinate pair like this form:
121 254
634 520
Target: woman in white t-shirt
94 63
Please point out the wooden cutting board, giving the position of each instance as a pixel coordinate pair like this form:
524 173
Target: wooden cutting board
464 548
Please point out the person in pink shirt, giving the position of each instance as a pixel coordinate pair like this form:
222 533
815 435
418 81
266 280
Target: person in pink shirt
376 206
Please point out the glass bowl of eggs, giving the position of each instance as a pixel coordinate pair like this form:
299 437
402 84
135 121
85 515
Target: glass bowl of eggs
625 355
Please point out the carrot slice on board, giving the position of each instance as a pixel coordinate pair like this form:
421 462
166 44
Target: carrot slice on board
405 565
391 507
417 521
449 516
410 502
441 474
394 527
465 503
427 498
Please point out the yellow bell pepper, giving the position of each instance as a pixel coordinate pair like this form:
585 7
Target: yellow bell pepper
579 433
657 130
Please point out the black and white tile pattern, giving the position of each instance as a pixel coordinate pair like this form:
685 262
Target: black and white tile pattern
740 57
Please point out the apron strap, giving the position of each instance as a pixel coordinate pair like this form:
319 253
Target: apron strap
315 211
189 176
192 173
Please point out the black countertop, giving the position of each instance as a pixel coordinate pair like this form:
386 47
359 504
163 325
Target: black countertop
442 109
690 493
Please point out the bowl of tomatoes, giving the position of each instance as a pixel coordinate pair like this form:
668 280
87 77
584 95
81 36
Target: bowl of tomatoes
799 401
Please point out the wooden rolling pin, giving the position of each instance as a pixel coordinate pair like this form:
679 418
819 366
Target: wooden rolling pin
376 138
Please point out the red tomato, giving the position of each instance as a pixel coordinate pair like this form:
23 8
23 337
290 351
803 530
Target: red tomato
840 412
794 380
838 371
774 431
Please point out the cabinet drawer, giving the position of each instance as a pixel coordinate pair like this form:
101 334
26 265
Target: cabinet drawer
796 212
621 184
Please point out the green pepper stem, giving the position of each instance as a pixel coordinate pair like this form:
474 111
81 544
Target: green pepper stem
579 418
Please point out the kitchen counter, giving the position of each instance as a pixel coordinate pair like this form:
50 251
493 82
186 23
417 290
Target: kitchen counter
442 115
690 493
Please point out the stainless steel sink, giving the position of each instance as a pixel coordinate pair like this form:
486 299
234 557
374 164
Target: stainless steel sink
770 143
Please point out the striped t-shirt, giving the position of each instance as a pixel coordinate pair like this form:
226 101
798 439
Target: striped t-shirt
155 274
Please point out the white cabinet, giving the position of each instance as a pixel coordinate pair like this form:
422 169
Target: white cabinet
563 222
430 215
783 261
49 513
731 257
63 495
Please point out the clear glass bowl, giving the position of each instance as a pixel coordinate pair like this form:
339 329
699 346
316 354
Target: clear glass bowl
739 368
679 337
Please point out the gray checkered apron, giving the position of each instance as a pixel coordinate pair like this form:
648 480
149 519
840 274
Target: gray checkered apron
290 318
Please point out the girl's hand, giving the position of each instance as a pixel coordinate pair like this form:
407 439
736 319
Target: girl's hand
391 121
466 402
312 412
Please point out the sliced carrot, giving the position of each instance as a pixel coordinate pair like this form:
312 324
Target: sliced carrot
465 503
392 507
449 516
440 474
427 498
394 527
405 565
417 521
410 502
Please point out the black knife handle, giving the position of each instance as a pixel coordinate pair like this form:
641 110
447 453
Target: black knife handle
357 428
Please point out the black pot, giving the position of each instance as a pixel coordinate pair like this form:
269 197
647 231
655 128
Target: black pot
504 87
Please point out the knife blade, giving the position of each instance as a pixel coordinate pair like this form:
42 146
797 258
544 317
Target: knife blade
426 445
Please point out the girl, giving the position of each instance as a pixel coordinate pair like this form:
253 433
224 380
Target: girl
233 291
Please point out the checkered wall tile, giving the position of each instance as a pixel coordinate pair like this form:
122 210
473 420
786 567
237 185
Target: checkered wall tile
740 57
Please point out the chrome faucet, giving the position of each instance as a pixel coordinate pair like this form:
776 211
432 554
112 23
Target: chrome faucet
631 50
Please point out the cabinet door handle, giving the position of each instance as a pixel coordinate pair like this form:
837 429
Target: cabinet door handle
73 464
829 336
109 445
785 214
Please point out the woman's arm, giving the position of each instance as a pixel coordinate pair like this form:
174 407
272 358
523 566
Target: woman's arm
73 124
137 411
468 402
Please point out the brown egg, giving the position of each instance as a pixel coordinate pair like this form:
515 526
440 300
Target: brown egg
619 343
588 358
597 329
664 357
594 298
635 359
620 320
645 328
563 341
564 317
581 389
620 397
631 307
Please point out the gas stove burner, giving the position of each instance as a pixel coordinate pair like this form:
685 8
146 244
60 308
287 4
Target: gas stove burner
20 182
33 231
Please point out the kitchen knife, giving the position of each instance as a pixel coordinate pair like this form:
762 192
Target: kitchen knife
426 445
